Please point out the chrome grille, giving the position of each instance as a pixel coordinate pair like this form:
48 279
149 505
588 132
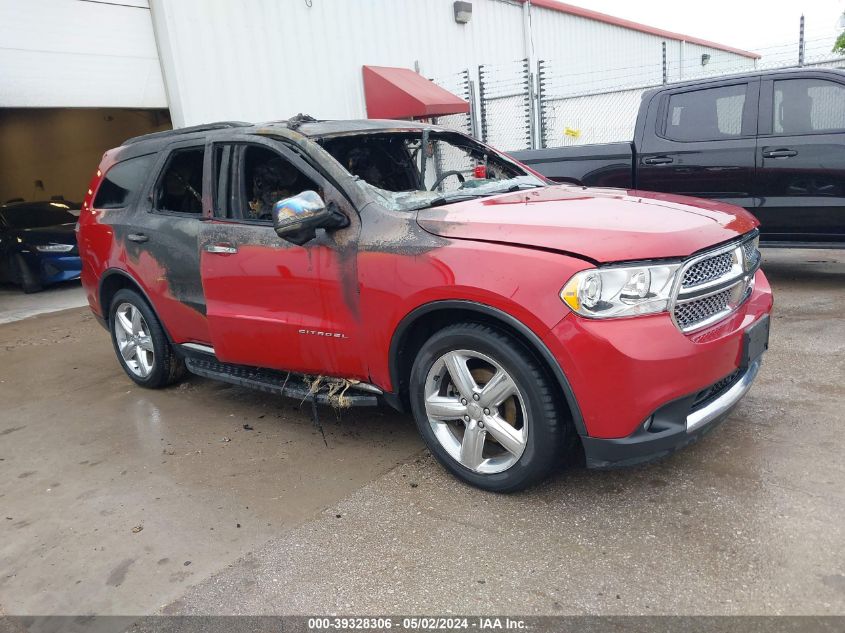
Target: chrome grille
715 283
707 270
687 315
751 253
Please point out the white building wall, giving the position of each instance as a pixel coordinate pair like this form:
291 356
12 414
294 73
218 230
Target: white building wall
596 73
67 53
589 56
720 63
269 59
261 60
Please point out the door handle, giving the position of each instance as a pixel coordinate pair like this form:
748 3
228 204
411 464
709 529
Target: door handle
223 248
658 160
137 237
780 153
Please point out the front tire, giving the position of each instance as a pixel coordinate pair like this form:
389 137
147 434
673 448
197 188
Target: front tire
28 279
140 343
486 409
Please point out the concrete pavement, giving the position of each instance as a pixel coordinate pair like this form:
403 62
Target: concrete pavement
15 305
747 521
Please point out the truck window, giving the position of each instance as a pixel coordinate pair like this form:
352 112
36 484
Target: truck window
808 106
706 115
121 181
179 189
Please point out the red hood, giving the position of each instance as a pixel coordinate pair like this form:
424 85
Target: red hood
601 224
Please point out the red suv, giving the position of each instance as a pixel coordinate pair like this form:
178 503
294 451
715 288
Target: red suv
358 261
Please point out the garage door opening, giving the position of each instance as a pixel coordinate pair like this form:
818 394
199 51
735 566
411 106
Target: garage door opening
51 153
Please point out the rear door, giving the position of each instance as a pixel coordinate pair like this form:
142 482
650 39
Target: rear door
703 143
272 303
801 148
160 240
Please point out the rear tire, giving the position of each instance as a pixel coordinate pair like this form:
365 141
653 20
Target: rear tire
140 343
486 409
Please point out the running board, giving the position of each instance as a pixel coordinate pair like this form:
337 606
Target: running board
281 383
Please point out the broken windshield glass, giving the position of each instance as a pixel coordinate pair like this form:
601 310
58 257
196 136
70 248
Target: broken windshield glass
413 170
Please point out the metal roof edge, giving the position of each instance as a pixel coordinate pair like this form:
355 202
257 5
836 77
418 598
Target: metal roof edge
571 9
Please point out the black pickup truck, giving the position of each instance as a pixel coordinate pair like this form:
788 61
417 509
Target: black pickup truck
770 141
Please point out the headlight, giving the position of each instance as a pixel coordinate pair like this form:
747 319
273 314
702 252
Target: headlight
54 248
620 291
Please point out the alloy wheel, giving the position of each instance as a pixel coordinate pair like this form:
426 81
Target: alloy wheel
133 339
476 411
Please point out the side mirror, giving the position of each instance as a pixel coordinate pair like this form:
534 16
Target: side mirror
297 219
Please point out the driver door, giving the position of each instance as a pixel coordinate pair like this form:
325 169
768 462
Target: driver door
272 303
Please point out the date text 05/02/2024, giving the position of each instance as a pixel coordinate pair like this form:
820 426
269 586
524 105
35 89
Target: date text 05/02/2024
426 623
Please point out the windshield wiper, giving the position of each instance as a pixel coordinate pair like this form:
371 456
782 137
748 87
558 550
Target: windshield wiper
519 186
468 195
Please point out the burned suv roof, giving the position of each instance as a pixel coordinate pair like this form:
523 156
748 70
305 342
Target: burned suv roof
322 129
303 124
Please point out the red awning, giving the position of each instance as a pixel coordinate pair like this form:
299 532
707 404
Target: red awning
400 93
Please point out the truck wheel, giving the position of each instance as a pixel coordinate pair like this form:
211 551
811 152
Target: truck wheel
28 279
140 343
486 409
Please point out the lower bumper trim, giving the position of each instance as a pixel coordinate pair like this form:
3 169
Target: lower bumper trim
725 402
670 428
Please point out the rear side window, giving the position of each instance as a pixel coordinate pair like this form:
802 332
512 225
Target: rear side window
121 181
706 115
808 106
179 189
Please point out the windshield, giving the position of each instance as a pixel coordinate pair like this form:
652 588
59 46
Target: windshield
30 217
414 170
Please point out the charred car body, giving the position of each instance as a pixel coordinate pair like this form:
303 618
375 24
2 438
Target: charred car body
514 319
38 244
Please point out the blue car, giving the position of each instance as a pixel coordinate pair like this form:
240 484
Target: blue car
38 244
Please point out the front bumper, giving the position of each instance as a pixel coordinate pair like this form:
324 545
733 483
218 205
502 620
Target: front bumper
53 268
671 427
625 372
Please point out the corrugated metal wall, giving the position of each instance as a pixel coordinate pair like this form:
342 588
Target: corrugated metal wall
267 59
66 53
598 56
594 76
264 59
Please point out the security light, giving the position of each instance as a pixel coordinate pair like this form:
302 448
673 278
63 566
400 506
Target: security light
463 11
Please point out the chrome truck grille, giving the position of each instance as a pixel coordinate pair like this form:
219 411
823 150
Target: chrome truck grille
707 270
714 284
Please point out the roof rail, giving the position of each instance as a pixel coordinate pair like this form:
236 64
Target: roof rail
220 125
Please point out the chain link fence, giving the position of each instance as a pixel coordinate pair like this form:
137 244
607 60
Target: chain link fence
461 85
505 105
513 108
446 157
578 109
602 107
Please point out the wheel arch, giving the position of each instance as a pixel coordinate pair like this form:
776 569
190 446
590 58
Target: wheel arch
416 327
115 279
